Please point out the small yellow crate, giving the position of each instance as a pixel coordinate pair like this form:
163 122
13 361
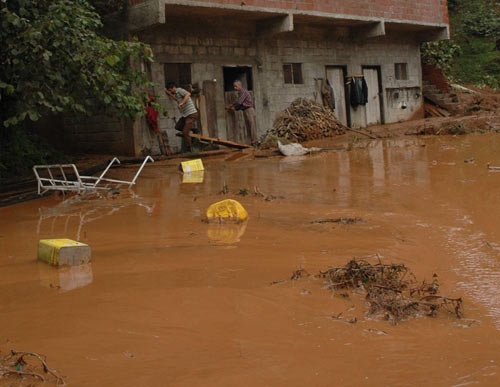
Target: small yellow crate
192 166
63 252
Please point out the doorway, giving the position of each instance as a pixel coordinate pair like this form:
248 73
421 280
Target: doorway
375 107
235 121
336 76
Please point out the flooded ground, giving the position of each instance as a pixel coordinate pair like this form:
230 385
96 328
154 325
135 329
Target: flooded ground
170 300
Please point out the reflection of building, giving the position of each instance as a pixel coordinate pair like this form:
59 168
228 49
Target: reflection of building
280 50
65 278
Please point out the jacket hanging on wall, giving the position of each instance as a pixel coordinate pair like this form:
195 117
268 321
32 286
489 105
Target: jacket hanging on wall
358 91
327 94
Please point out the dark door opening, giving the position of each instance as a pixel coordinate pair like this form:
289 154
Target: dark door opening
237 73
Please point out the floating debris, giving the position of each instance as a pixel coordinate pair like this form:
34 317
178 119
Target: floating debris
391 290
18 364
339 220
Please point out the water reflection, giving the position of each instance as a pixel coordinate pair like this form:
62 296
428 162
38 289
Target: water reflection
193 177
87 209
65 278
226 233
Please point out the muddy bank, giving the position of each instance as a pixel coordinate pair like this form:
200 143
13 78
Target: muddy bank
170 300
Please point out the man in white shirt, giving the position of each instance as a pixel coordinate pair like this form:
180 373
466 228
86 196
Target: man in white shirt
187 110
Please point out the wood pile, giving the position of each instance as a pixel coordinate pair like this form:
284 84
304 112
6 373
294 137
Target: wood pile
306 120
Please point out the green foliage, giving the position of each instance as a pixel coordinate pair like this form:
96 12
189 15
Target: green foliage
471 56
477 18
54 61
440 54
478 65
21 149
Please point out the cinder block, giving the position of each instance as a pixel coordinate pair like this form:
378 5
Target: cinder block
63 252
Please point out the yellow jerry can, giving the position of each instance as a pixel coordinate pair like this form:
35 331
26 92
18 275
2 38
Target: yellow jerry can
192 166
227 210
63 252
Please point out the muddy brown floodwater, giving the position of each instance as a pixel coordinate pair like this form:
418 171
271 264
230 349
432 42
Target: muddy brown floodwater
170 300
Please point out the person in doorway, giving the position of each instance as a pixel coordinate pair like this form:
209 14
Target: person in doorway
187 110
245 103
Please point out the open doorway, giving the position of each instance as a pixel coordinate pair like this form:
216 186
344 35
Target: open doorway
235 121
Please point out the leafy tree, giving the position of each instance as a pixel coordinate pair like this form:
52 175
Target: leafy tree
54 60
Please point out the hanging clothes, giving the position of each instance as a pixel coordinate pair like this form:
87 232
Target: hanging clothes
327 94
358 91
152 115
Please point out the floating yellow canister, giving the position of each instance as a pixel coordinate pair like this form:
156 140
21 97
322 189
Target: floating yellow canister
228 209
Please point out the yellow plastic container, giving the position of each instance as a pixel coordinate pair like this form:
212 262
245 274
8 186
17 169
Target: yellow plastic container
227 210
192 166
63 252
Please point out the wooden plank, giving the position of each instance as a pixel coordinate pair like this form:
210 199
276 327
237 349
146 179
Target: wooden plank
235 121
210 93
203 116
219 141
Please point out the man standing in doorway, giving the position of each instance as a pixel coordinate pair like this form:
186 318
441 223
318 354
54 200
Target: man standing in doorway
245 103
187 110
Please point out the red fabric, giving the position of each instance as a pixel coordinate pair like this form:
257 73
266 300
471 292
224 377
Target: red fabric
152 115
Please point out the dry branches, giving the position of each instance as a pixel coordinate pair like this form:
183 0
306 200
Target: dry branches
389 290
306 120
15 364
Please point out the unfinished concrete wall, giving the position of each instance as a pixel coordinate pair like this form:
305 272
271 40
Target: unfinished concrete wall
420 11
211 43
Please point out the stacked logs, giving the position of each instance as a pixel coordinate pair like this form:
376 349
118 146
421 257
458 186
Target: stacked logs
306 120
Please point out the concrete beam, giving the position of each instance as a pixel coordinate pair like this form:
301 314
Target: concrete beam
145 15
442 33
275 25
371 30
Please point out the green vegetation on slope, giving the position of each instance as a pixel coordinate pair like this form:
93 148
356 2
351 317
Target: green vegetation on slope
471 56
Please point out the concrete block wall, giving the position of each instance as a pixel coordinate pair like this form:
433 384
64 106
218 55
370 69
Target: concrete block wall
431 11
99 134
209 49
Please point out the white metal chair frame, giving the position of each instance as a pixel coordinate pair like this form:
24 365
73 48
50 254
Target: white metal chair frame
82 183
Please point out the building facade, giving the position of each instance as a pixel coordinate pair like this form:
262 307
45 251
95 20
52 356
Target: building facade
282 50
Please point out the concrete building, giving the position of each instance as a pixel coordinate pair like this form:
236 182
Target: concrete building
281 50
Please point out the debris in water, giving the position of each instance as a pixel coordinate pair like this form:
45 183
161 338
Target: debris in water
17 363
295 149
339 220
267 198
225 189
391 289
243 192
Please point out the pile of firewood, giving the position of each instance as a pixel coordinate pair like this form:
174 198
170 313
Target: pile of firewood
306 120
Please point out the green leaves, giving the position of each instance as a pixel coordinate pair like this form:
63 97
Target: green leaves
54 60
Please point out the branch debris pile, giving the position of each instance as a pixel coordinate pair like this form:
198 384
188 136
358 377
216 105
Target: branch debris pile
306 120
29 365
392 290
